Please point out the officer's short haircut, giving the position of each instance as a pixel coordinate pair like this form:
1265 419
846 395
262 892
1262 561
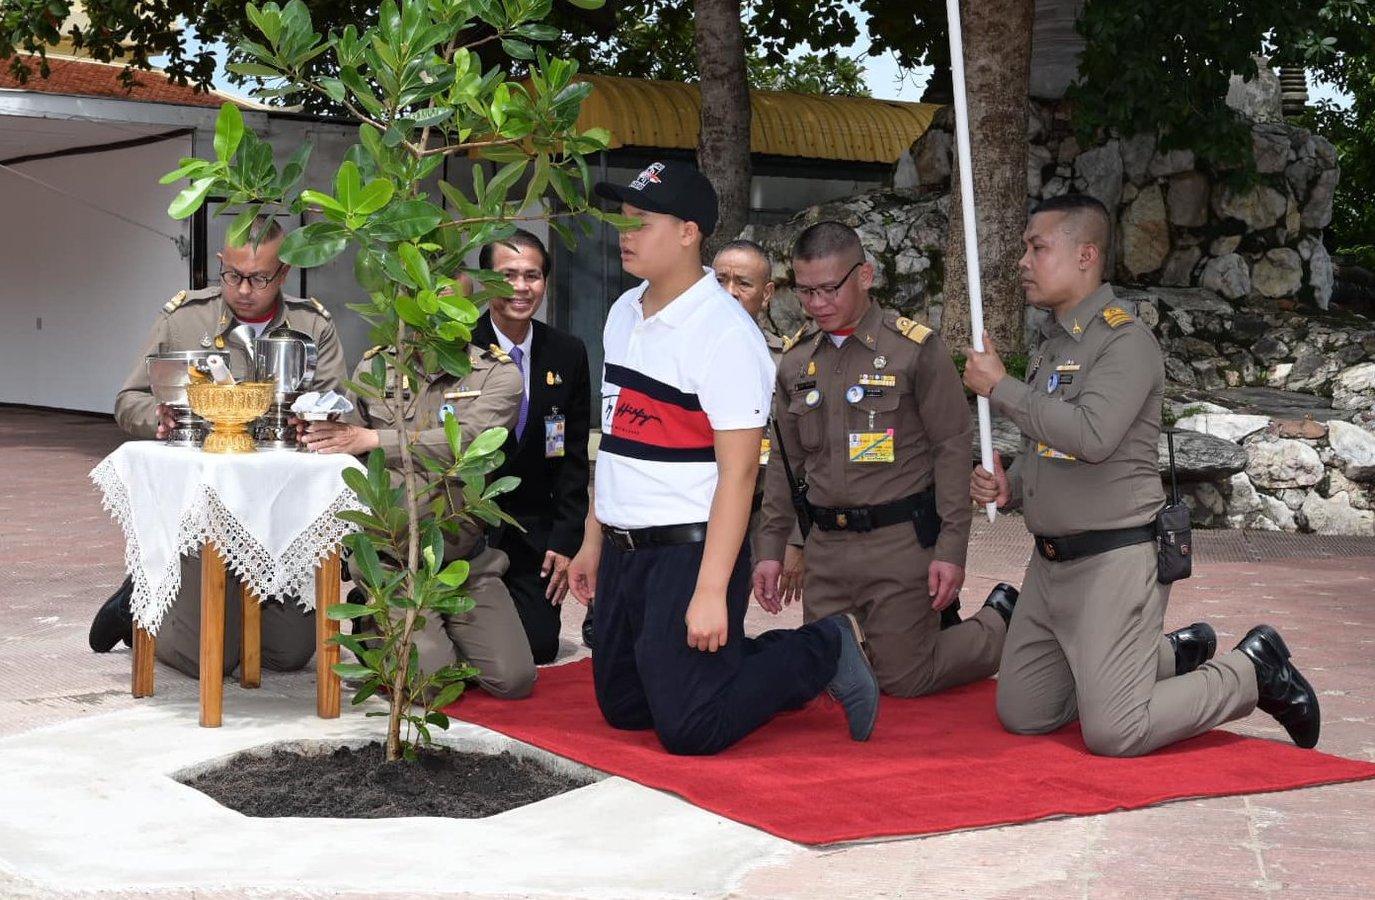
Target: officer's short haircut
746 245
521 240
1088 216
827 239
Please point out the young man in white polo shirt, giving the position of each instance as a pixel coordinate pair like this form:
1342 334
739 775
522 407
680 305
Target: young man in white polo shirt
686 389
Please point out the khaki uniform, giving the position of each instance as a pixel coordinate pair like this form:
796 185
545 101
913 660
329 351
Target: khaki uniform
195 320
776 347
912 394
1086 638
490 635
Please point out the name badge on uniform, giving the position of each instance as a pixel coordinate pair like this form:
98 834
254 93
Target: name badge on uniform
871 446
1045 451
765 447
554 434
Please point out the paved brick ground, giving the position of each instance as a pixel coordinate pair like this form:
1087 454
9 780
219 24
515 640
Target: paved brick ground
61 555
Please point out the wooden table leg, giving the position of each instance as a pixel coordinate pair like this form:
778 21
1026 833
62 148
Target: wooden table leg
251 646
212 636
326 653
145 647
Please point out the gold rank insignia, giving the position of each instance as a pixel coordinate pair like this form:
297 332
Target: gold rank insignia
320 308
789 342
552 378
811 367
175 302
1116 316
1077 329
497 353
913 331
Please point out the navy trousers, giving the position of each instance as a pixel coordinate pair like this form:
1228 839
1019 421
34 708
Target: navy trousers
698 703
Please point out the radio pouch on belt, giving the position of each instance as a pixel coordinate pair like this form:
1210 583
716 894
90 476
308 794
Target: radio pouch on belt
1174 537
926 520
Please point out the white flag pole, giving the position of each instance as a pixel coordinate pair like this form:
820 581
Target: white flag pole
971 235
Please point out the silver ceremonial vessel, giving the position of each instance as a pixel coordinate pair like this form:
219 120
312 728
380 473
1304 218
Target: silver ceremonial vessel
168 375
286 358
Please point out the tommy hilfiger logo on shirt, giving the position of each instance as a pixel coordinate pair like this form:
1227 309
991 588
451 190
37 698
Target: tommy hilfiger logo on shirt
649 176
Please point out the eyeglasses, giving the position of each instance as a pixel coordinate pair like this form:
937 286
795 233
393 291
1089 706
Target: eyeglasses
824 291
256 281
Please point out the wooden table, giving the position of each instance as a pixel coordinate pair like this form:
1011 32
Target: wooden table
213 583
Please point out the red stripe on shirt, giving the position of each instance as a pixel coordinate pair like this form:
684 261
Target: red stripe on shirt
660 423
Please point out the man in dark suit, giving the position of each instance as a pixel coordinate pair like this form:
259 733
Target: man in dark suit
547 450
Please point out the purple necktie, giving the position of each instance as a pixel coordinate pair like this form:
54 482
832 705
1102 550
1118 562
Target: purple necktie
518 355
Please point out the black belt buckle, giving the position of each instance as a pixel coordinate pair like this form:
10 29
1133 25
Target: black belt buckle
620 539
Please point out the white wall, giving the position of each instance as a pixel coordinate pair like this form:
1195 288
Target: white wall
95 282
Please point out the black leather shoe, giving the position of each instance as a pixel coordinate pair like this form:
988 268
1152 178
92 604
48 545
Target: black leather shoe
1193 646
1003 598
587 629
950 616
1284 692
115 620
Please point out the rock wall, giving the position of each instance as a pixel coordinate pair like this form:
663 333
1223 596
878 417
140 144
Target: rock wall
1178 223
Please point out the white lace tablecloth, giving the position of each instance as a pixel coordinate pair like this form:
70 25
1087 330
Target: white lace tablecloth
270 514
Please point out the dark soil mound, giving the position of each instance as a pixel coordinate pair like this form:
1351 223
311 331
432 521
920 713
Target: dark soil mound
357 783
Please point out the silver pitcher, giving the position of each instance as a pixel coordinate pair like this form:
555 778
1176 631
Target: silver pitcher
287 359
168 376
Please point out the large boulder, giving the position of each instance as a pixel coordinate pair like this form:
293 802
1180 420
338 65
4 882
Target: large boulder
1282 463
1227 275
1336 515
1229 427
1279 273
1201 457
1259 207
1099 173
1270 143
1317 210
1321 275
1354 448
1188 200
1145 232
1354 388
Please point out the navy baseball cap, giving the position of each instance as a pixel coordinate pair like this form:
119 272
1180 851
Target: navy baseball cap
674 188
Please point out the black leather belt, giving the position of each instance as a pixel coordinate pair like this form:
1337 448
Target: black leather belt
1088 543
628 539
867 518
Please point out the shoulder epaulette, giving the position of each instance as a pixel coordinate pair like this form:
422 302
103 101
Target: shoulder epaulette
372 351
1116 316
177 300
790 342
320 308
912 330
497 353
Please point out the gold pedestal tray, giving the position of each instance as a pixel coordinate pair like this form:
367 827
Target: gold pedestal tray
229 408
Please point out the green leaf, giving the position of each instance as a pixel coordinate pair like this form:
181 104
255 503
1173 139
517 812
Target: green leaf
347 185
254 70
237 235
587 4
455 573
486 443
313 245
228 131
352 670
341 611
185 204
322 200
517 49
449 694
408 220
414 263
437 719
432 116
187 168
374 196
454 435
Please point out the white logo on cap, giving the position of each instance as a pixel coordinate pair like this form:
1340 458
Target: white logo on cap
649 176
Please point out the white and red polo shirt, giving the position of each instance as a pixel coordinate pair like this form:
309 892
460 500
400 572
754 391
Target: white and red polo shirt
668 382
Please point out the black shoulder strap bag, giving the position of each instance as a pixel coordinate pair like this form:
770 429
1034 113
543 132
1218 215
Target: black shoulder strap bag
1174 538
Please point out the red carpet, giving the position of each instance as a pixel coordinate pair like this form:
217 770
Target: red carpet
934 764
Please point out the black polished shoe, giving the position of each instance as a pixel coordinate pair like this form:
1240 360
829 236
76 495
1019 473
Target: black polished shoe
115 620
587 629
1193 646
950 616
1003 598
1284 692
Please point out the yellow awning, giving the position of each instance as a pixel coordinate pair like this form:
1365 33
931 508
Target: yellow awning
666 114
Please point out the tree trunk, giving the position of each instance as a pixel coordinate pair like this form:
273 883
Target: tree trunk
723 149
997 59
